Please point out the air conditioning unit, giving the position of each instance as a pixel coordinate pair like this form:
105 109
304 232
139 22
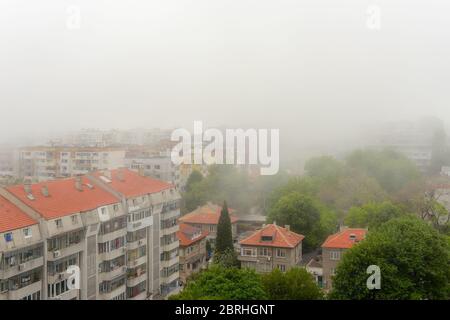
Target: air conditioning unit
21 266
56 254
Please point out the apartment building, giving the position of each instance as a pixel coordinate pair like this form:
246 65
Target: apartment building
271 247
207 217
46 163
158 166
21 254
192 250
8 162
334 248
153 210
113 226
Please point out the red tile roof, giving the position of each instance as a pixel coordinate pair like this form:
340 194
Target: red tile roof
64 198
342 239
186 234
207 214
133 184
281 237
12 218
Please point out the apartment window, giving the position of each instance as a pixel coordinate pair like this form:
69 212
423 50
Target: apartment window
247 252
281 253
58 223
74 219
116 207
282 267
27 232
8 237
335 255
264 252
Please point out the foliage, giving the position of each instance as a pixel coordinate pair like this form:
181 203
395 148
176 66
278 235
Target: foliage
226 259
224 238
218 283
295 284
372 215
412 256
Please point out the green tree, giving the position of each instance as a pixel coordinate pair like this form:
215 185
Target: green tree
224 238
303 214
194 178
372 215
218 283
413 259
326 168
295 284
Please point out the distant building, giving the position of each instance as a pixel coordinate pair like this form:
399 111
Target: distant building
315 267
46 163
271 247
207 217
9 161
334 248
192 250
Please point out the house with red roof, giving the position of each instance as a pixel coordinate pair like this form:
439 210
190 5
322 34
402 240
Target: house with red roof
334 248
21 254
207 217
192 250
271 247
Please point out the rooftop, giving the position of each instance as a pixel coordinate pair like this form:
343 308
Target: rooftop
188 234
130 183
12 218
272 235
58 198
207 214
345 239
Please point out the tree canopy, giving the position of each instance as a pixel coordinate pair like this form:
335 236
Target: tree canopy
413 259
372 215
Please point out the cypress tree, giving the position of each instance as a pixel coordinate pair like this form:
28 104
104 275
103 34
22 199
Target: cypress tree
224 239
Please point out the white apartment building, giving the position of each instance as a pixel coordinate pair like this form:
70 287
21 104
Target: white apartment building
45 163
107 224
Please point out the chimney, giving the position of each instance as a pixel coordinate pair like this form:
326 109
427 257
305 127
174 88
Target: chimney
107 174
44 191
78 184
120 175
27 188
287 227
274 222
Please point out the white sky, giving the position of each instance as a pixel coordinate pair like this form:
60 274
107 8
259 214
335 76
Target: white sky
309 67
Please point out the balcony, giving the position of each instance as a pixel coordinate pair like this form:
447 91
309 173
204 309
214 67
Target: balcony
170 262
112 235
110 295
18 294
171 246
140 296
171 278
167 231
65 252
136 262
68 295
110 275
23 267
136 244
143 223
131 282
111 255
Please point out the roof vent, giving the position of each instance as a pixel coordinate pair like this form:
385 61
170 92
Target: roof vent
44 191
107 174
27 188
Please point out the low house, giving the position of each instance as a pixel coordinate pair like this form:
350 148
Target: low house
333 249
192 251
271 247
207 217
315 267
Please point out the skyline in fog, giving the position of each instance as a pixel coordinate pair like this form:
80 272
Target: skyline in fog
310 68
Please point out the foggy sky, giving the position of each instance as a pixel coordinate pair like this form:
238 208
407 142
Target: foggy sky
309 67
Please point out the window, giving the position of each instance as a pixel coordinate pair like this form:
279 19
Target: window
58 223
282 267
333 271
264 252
74 219
247 252
8 237
27 232
335 255
281 253
116 207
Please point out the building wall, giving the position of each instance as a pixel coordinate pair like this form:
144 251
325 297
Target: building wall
265 259
192 259
329 264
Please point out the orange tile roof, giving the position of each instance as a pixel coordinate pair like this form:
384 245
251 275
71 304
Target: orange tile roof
281 237
64 199
207 214
12 218
133 184
186 233
342 239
